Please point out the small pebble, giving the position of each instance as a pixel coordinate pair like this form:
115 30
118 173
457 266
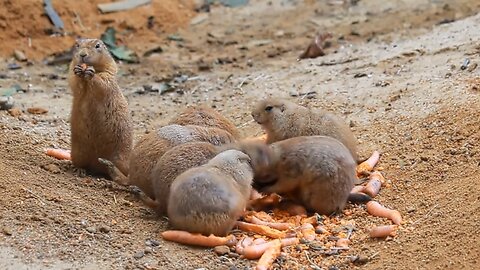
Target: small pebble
221 250
148 250
37 110
104 229
7 231
360 259
6 103
139 255
233 255
19 55
91 229
152 243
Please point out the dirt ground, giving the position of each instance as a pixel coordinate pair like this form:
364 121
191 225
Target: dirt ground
393 70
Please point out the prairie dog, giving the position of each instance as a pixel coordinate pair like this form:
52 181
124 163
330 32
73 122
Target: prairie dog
101 124
209 199
206 117
155 144
282 120
174 162
316 171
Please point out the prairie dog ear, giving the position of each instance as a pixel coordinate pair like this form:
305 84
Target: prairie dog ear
282 107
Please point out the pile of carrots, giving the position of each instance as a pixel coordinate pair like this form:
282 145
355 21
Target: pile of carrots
262 235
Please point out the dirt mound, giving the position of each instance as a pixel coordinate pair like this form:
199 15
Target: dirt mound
25 27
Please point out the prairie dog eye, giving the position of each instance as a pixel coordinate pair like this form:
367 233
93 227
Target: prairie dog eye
97 46
268 108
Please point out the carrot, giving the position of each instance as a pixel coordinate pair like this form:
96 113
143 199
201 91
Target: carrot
84 66
312 220
254 252
308 232
357 189
374 184
365 167
242 244
59 153
383 231
269 256
260 229
342 242
265 201
255 195
275 225
187 238
376 209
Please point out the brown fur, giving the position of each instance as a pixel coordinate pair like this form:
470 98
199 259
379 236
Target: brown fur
316 171
282 120
209 199
206 117
154 145
174 162
101 125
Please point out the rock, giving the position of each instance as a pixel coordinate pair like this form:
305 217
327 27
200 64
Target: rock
52 168
139 255
91 229
233 255
6 103
359 260
104 229
19 55
152 243
148 250
199 19
7 231
13 66
15 112
221 250
411 209
37 110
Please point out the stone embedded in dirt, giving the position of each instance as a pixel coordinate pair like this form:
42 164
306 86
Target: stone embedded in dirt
7 231
6 103
221 250
139 255
15 112
148 250
104 229
199 19
233 255
37 110
13 66
19 55
152 243
360 259
52 168
91 229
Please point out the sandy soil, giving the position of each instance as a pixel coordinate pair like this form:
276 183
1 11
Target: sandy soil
393 70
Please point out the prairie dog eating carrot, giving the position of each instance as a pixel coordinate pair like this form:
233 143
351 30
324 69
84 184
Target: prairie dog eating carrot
282 119
315 171
209 199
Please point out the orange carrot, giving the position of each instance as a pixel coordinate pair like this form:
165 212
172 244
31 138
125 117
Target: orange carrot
242 244
365 167
383 231
265 201
312 220
260 229
308 232
357 189
187 238
84 66
376 209
272 252
374 184
59 153
254 252
342 242
275 225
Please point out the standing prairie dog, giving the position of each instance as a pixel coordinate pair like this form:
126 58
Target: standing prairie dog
101 125
209 199
316 171
173 163
282 120
206 117
154 145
